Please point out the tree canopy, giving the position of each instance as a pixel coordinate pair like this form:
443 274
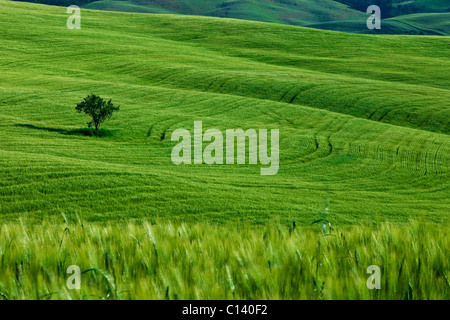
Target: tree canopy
97 108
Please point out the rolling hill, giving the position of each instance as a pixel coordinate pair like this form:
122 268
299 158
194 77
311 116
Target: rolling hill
287 12
363 120
413 24
430 5
293 12
438 23
394 8
322 14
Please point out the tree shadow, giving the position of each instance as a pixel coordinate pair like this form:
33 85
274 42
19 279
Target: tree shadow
30 126
89 132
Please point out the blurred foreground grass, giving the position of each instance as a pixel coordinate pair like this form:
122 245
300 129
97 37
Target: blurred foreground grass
168 260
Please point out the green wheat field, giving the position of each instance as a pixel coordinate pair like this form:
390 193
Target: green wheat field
364 124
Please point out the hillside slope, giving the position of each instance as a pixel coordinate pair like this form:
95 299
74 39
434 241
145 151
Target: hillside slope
288 12
363 120
320 14
431 5
432 22
413 24
294 12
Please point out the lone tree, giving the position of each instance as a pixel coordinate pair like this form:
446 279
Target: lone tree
98 109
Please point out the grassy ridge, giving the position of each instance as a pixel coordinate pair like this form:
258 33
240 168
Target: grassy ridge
288 12
322 14
325 91
195 261
434 5
439 22
413 24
